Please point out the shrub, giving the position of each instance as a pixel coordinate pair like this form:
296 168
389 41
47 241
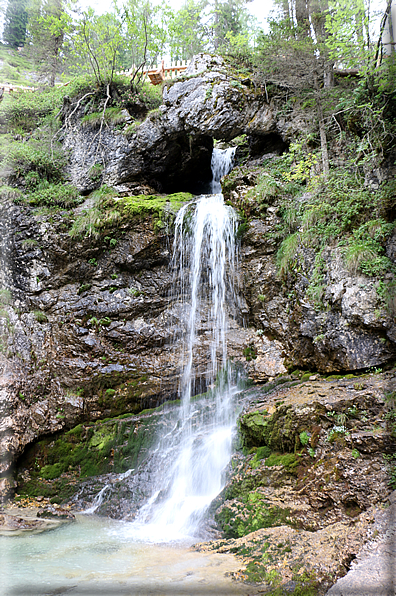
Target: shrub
63 195
34 157
40 316
287 252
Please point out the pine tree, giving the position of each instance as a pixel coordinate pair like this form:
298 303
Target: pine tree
48 24
15 22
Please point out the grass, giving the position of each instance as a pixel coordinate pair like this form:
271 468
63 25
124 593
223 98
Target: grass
16 67
287 253
63 195
111 116
40 316
36 161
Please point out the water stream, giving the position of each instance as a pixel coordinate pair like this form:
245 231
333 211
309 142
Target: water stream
187 467
203 265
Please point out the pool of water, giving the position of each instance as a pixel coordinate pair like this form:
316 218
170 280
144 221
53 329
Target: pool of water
95 556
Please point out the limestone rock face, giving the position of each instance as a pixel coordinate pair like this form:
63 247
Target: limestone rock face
174 143
89 329
353 328
311 491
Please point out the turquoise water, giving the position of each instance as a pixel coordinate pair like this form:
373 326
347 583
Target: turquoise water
95 556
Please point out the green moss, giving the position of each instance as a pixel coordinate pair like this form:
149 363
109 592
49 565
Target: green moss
261 453
84 451
49 472
250 514
306 377
141 205
278 431
288 460
102 436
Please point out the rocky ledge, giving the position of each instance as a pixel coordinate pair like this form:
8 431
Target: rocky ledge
313 484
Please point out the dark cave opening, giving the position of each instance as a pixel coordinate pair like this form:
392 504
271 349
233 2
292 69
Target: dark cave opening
183 163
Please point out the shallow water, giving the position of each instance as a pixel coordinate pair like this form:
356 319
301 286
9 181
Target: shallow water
95 556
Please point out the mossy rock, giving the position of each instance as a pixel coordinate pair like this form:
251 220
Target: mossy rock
238 519
141 205
56 463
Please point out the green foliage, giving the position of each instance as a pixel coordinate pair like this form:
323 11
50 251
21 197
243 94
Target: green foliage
304 438
286 257
110 116
15 66
101 215
95 172
188 31
63 195
317 286
49 24
365 249
41 161
267 188
340 210
134 292
40 316
149 96
28 109
349 36
301 172
250 353
15 22
97 45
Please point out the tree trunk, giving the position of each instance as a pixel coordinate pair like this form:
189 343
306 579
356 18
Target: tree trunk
318 10
302 17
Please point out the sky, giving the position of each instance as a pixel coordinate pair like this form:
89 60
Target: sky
259 8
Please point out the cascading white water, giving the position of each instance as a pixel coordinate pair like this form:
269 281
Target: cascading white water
222 161
191 458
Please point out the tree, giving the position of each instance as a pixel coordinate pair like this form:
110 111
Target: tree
229 16
49 22
294 60
189 30
97 44
349 40
145 36
15 21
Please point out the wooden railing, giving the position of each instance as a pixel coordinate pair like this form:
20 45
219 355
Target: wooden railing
160 73
7 88
154 75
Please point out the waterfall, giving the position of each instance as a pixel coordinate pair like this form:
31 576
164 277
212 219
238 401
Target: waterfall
191 458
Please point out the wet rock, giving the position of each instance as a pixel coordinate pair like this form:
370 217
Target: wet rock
311 491
50 512
171 145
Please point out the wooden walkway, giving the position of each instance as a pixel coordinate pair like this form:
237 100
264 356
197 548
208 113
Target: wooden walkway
160 73
155 75
7 88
